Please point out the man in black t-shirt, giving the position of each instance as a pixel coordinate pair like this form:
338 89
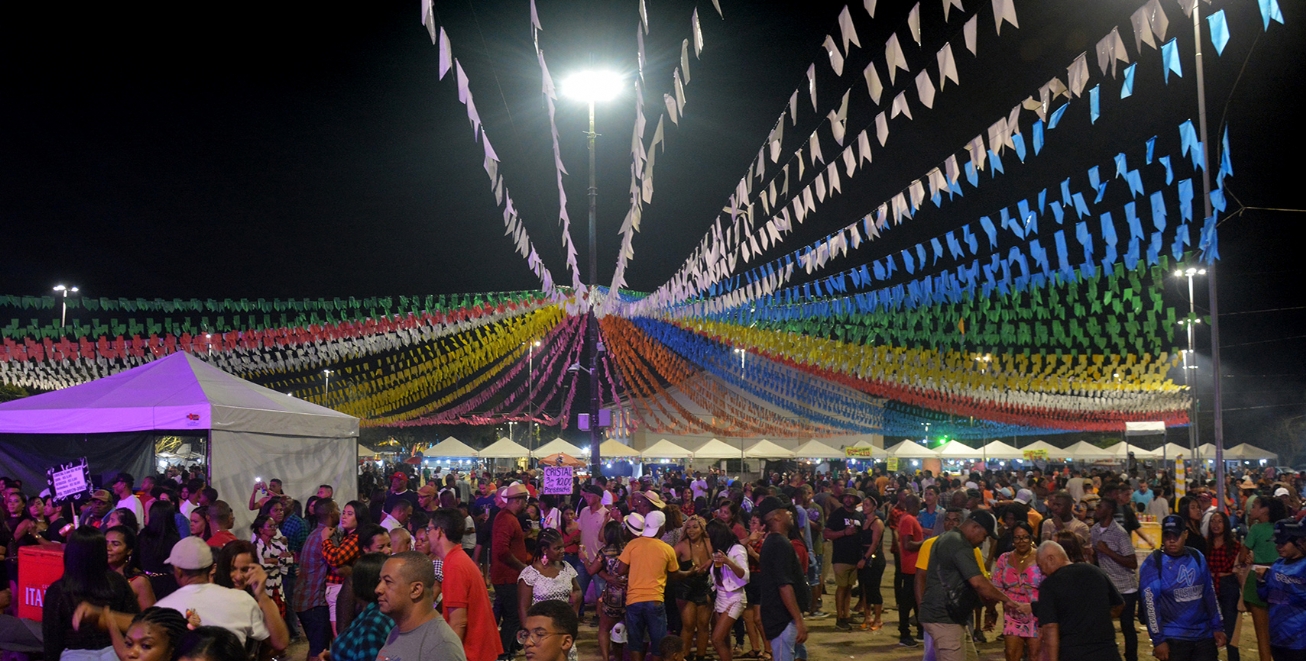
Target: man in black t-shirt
842 529
782 583
1074 608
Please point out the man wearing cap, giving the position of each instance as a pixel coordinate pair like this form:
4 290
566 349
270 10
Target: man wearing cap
508 557
1182 612
122 490
1283 587
95 511
591 520
647 562
647 501
248 617
954 585
399 490
843 530
782 583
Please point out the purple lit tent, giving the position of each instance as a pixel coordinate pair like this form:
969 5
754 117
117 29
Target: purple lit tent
252 431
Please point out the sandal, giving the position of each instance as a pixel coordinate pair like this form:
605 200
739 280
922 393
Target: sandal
750 654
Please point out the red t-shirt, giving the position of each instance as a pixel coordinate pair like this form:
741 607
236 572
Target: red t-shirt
801 549
909 529
508 538
221 538
464 587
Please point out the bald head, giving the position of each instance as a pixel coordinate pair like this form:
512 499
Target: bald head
1051 557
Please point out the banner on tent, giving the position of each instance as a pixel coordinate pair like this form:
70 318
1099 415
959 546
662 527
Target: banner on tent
858 452
69 481
1035 455
557 480
892 464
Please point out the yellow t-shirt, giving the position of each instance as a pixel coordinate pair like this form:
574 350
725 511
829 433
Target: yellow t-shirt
923 560
650 560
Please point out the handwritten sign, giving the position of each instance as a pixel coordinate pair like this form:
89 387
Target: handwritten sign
69 481
858 451
558 480
1033 455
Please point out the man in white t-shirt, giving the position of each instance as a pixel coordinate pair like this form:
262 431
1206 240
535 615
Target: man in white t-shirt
699 486
398 515
233 610
122 490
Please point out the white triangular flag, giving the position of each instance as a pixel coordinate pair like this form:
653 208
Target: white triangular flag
1004 10
814 146
717 5
1142 30
850 160
917 191
1156 18
811 85
924 89
643 16
977 153
428 19
947 65
970 30
684 59
881 128
793 107
864 147
846 30
873 85
819 182
535 17
464 94
900 105
671 109
894 58
836 59
1077 74
950 168
446 54
914 23
870 7
697 30
947 4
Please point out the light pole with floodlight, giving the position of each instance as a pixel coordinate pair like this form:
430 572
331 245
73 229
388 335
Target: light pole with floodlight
1190 322
63 307
326 386
591 87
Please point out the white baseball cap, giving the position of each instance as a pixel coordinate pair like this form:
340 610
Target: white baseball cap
190 553
653 523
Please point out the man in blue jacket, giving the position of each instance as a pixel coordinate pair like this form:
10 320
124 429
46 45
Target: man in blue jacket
1183 616
1283 587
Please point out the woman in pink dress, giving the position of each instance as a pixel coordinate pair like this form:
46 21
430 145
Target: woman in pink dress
1017 575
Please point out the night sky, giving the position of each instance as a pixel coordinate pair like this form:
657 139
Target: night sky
245 150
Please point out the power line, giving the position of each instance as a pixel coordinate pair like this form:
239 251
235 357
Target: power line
1230 314
1277 339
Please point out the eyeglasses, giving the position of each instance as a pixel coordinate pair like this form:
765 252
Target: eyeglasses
525 637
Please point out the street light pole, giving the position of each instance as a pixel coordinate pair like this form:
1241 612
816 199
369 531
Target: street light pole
63 307
326 387
1190 323
592 323
1217 400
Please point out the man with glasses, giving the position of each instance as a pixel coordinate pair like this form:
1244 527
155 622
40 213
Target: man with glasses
550 631
508 557
405 593
466 602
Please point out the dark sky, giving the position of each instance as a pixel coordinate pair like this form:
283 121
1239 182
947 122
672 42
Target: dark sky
262 150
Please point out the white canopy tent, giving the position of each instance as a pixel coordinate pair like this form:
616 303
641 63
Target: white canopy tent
912 450
815 449
1000 450
958 450
1085 451
765 449
1123 449
1247 452
558 445
364 453
451 447
614 449
252 430
504 449
876 451
1170 451
665 449
1206 451
1053 451
718 449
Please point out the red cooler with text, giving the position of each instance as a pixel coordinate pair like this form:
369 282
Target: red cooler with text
37 569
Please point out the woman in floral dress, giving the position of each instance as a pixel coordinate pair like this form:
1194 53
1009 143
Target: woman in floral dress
1017 575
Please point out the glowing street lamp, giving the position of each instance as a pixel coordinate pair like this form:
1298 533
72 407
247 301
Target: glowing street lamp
63 308
1190 322
592 87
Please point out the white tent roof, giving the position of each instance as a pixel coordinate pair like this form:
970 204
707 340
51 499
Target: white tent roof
1121 451
958 450
451 447
1053 451
176 392
1085 451
717 449
1171 450
612 449
1000 450
815 449
912 450
765 449
555 446
1248 452
665 449
1207 451
504 449
362 452
876 452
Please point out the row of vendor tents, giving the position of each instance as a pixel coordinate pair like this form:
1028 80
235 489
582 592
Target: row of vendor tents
815 449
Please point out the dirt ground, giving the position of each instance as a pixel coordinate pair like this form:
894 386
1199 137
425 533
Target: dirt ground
826 642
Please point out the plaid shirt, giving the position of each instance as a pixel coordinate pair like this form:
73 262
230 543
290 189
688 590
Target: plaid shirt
364 637
296 531
310 592
340 555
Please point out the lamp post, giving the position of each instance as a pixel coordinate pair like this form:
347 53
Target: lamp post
1190 323
591 87
326 386
63 307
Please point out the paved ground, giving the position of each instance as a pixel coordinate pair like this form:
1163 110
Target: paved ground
826 642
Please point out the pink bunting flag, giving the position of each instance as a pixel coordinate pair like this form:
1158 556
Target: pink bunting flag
446 54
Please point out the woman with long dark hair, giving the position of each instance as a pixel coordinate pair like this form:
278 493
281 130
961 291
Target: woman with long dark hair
693 594
1222 553
729 575
86 579
367 631
121 541
870 569
612 601
238 568
154 543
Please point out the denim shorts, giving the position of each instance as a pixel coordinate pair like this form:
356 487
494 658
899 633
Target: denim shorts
646 621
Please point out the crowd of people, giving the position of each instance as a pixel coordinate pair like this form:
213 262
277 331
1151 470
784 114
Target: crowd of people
484 567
